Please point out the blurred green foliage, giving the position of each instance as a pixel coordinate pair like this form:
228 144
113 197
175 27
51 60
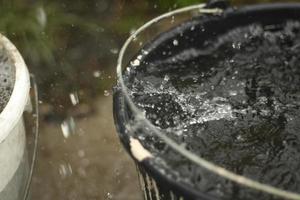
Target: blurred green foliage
34 27
169 4
246 2
50 35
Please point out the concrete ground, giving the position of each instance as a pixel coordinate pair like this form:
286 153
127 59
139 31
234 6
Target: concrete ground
88 164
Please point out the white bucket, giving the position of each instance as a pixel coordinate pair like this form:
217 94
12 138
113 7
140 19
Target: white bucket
14 167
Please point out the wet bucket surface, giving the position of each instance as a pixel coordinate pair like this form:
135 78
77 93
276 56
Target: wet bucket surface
156 183
14 162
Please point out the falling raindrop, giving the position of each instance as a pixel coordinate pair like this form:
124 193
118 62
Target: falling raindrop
236 45
68 127
100 29
97 74
74 98
81 153
114 51
65 170
106 93
173 19
132 31
175 42
232 93
109 196
41 17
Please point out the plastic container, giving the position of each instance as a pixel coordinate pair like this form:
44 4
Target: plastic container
14 162
215 18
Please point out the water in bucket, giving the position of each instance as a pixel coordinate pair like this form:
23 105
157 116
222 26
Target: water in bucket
233 100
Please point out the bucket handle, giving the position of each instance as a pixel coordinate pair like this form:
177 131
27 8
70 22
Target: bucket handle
35 117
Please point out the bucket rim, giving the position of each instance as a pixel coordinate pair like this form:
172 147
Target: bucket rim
19 98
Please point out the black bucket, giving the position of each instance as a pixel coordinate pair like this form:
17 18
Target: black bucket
155 184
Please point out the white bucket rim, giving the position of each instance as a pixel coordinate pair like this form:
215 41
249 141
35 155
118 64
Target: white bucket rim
15 106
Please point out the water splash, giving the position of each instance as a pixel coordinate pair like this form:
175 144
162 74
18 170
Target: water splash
234 101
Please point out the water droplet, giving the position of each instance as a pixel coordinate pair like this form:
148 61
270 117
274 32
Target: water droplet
82 172
109 196
100 29
265 112
166 78
74 98
178 132
132 31
81 153
144 52
239 138
236 45
172 19
68 127
106 93
135 63
41 17
97 74
65 170
175 42
284 142
114 51
232 93
141 137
